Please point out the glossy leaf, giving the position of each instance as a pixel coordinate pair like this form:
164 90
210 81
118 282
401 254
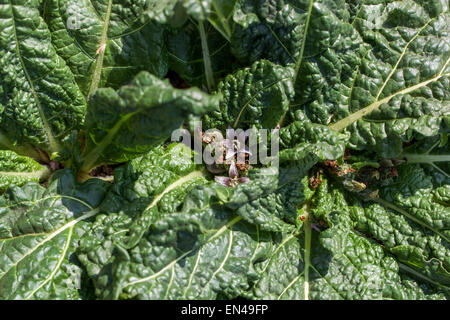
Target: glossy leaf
258 97
405 219
376 69
105 42
334 265
39 230
18 170
302 139
40 103
125 124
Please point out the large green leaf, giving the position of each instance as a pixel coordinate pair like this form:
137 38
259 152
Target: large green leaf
125 124
43 227
377 69
302 139
163 232
409 218
40 103
365 83
402 97
145 190
39 230
272 197
199 253
333 265
150 181
18 170
130 42
162 244
396 248
258 97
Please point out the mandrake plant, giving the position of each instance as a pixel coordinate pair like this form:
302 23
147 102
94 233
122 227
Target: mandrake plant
358 92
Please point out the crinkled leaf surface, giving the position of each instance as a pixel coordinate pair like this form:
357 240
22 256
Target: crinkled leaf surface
164 232
333 265
334 75
378 69
161 245
395 248
195 254
253 97
302 139
40 102
405 219
39 230
124 124
130 42
18 170
144 190
272 197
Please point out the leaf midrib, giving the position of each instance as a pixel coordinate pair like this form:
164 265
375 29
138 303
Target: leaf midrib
222 264
400 59
54 146
342 124
307 252
299 61
101 56
29 174
57 266
223 21
241 111
302 48
219 232
93 155
47 198
177 183
52 235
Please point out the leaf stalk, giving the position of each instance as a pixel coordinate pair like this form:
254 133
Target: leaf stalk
206 57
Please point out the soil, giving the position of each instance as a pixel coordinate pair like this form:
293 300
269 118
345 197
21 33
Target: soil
103 171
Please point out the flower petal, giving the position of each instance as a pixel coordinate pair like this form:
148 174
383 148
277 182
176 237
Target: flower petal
233 172
225 181
244 180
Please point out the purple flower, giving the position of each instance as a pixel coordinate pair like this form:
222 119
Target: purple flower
233 180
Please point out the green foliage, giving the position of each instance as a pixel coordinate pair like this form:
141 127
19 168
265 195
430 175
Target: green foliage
357 92
125 124
18 170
